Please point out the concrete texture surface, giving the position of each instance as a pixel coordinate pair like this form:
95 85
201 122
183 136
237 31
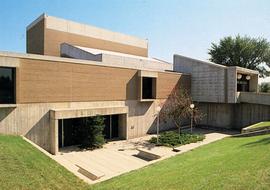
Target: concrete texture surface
113 58
254 98
211 82
118 157
233 116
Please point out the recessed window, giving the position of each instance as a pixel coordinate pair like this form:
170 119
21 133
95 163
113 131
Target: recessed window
7 85
242 83
148 88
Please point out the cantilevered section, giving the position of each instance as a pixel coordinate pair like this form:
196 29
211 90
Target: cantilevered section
46 33
65 113
216 83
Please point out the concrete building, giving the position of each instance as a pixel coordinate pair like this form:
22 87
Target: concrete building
228 96
73 71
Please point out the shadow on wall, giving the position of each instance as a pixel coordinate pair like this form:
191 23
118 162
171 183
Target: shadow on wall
136 108
40 132
162 127
168 125
132 88
4 112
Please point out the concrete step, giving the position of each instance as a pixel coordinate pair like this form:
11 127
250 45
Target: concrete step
148 155
89 172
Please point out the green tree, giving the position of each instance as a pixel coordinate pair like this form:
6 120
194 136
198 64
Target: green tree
244 52
92 132
265 87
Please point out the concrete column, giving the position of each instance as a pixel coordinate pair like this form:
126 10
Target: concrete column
122 124
110 126
54 136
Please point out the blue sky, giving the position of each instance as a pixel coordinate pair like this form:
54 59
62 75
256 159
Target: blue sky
171 26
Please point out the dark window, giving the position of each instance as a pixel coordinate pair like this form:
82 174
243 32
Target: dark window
111 126
7 85
70 131
147 88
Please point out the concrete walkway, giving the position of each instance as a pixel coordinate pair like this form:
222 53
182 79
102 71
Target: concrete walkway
119 157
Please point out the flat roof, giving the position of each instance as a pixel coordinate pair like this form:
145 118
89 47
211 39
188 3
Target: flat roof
88 30
99 51
201 61
74 61
241 69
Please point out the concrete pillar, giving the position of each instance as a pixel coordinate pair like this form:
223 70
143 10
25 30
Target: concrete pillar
122 124
54 136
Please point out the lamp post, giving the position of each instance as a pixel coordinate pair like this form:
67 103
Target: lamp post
158 110
191 119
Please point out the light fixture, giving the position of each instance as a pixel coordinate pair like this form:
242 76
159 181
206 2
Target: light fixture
239 76
191 106
248 77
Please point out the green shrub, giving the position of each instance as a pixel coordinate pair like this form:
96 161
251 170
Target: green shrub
172 138
92 136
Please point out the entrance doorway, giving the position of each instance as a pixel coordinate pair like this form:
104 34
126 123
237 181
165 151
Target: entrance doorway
70 130
111 127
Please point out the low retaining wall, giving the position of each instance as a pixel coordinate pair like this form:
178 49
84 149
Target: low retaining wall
248 130
233 116
254 133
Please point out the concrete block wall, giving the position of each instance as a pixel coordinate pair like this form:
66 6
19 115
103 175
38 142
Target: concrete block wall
231 85
208 81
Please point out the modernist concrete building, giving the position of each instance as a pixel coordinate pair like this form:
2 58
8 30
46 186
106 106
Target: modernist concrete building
228 96
72 71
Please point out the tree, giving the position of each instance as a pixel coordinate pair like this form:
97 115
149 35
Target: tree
92 132
265 87
245 52
177 109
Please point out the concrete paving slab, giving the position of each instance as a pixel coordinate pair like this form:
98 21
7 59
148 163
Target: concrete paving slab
118 157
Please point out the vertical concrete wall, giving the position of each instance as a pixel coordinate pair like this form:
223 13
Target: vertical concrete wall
45 35
233 116
208 81
231 85
33 120
254 98
253 84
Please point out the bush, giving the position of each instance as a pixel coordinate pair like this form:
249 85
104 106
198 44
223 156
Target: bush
172 138
92 136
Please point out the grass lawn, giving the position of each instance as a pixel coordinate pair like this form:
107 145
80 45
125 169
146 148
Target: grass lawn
261 124
232 163
24 167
